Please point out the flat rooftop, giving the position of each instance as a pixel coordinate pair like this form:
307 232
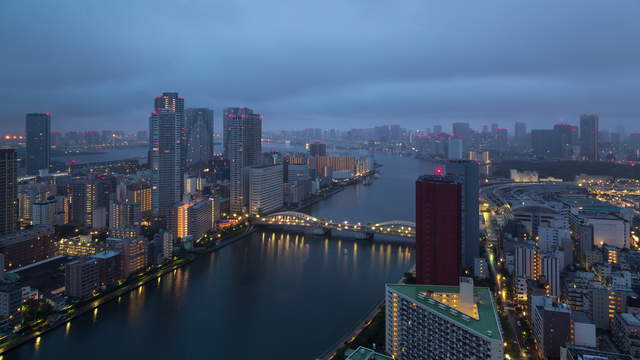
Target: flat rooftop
363 353
487 324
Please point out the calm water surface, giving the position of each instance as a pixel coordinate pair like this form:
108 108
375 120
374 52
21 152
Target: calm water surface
270 296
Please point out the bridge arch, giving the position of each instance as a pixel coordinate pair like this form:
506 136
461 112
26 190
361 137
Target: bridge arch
294 217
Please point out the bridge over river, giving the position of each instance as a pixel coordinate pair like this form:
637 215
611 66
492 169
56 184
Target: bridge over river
297 221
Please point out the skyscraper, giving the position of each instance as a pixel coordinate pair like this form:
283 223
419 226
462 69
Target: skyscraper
467 174
438 230
462 130
546 143
8 191
589 136
38 132
172 102
199 136
166 160
242 147
568 137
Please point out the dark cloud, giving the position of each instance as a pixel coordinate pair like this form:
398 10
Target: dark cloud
334 63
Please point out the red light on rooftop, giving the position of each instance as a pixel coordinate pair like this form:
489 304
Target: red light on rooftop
439 171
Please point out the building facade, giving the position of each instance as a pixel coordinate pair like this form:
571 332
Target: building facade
442 322
8 191
38 133
242 139
438 230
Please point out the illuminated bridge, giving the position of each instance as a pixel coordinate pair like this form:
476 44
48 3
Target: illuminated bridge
297 221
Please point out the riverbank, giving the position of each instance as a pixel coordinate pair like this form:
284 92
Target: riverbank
93 303
368 331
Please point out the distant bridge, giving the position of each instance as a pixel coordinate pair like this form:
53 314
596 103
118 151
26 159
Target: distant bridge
300 221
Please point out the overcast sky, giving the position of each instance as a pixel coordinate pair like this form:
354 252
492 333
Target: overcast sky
330 63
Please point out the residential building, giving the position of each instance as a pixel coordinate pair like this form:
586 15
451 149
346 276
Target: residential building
243 148
28 246
133 253
199 136
550 322
589 137
8 191
38 134
266 188
442 322
166 158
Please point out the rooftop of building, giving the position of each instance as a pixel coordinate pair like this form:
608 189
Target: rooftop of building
630 319
583 353
106 254
580 317
26 234
487 323
437 179
587 203
363 353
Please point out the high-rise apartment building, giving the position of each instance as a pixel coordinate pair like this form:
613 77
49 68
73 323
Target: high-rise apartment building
242 147
82 196
8 191
199 136
170 101
438 230
266 188
166 160
38 133
124 215
589 136
442 322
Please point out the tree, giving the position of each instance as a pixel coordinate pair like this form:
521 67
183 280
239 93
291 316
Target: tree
35 309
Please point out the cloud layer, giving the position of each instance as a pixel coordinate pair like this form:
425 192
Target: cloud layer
333 63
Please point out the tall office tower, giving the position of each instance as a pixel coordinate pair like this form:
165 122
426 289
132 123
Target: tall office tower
266 188
520 131
467 174
438 230
442 322
38 131
318 149
242 147
82 195
494 128
166 161
8 191
199 136
437 129
172 102
124 215
589 136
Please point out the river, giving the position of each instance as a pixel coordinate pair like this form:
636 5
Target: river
269 296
